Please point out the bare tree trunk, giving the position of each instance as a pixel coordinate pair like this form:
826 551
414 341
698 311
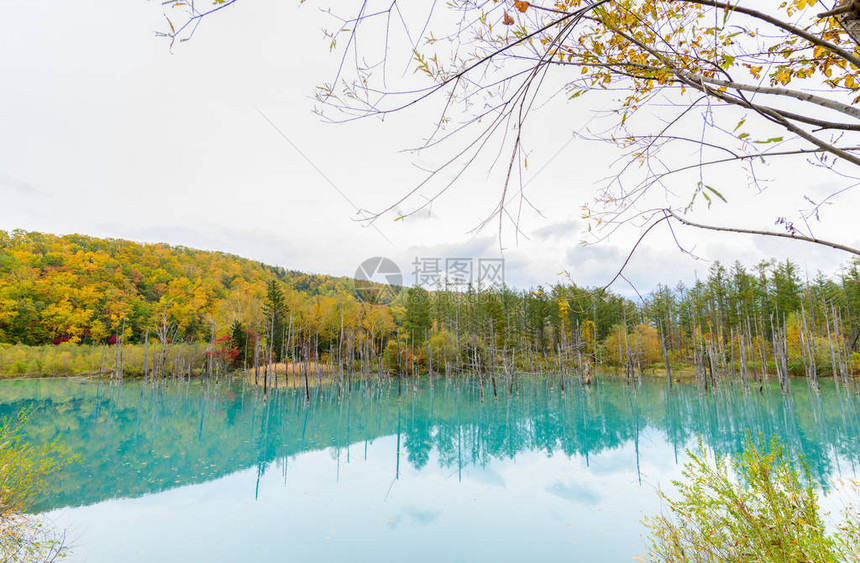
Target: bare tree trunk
146 355
665 355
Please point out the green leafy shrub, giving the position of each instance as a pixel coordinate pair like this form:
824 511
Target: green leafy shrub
24 471
761 506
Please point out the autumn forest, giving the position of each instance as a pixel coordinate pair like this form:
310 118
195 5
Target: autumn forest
81 305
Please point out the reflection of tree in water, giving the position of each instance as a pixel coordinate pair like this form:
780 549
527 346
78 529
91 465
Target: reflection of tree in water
136 439
418 441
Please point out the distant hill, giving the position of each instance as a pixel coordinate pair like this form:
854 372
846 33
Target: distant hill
79 288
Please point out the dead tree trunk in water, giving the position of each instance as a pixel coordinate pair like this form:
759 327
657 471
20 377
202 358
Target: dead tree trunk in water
146 355
665 355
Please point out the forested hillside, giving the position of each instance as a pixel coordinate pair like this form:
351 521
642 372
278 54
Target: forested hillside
209 312
82 289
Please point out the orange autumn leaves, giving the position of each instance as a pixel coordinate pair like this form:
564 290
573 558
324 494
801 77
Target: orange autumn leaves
507 19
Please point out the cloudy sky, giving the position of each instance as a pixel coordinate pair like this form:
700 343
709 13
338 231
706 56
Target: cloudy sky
107 132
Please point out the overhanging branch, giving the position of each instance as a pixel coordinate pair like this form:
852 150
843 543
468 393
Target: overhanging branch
792 236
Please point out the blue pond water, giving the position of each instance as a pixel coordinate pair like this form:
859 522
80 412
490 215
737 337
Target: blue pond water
427 472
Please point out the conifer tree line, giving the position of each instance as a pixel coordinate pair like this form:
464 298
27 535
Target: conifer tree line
159 311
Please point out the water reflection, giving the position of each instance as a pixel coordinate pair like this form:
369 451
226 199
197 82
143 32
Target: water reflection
137 439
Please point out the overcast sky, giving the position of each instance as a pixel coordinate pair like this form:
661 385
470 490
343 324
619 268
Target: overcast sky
106 132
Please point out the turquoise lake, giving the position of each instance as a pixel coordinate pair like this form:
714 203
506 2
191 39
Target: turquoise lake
423 471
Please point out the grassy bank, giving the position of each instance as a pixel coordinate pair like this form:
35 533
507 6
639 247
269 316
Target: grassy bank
69 359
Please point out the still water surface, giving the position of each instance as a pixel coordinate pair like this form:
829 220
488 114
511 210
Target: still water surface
212 472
